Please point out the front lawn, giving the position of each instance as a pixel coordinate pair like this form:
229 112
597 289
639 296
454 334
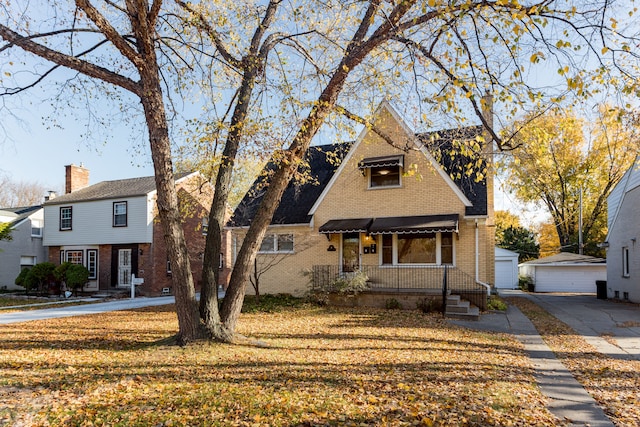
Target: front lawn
323 367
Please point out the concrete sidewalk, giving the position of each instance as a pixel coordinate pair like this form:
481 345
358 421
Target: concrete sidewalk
568 400
80 310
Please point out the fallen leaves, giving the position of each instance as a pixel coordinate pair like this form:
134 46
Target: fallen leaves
613 383
359 367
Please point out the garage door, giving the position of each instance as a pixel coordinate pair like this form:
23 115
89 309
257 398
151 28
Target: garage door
569 279
505 275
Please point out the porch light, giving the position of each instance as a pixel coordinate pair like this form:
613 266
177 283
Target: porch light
331 248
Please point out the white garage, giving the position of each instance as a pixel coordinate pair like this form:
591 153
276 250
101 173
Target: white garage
506 269
565 272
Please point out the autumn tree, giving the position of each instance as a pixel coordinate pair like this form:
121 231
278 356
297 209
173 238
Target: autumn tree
282 70
119 44
569 166
548 239
512 236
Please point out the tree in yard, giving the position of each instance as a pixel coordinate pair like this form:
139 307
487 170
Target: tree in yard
5 231
548 239
512 236
554 165
287 68
119 44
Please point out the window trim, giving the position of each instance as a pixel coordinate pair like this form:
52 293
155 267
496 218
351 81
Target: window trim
438 263
67 252
275 246
70 218
376 187
625 262
93 272
39 223
126 214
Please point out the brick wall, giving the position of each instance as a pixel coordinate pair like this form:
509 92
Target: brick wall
76 177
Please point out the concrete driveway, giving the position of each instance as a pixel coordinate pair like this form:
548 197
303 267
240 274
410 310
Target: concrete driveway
594 319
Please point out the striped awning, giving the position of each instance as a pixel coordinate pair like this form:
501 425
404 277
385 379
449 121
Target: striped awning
415 224
358 225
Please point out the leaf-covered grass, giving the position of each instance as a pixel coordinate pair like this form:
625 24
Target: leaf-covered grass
613 383
323 367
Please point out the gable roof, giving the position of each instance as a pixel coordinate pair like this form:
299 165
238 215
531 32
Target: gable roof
630 180
117 189
18 214
325 162
298 198
565 258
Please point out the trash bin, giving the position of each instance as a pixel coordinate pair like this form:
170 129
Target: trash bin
601 289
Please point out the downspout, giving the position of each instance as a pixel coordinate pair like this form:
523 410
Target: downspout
478 262
477 254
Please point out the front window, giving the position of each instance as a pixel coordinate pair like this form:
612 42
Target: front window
625 262
65 218
419 248
74 257
277 243
119 214
384 176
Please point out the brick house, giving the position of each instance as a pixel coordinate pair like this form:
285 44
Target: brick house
399 213
112 228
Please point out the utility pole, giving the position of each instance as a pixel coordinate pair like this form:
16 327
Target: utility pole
580 245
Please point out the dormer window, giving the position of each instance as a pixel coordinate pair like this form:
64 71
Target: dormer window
384 171
384 176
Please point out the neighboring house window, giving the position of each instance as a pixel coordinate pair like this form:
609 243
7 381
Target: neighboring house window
277 243
221 262
625 262
420 248
119 214
74 257
384 176
27 261
92 263
36 228
65 218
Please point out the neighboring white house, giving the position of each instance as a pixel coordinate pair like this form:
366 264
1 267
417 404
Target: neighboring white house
623 248
112 229
506 269
25 248
565 272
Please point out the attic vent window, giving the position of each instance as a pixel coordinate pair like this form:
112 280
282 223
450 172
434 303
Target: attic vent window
384 171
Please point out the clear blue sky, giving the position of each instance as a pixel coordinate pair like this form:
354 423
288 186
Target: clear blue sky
33 152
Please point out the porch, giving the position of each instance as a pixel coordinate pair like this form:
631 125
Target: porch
407 282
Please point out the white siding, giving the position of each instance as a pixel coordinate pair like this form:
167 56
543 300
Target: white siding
629 181
92 223
506 269
625 234
581 279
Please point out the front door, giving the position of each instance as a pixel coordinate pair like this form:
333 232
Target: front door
124 267
350 252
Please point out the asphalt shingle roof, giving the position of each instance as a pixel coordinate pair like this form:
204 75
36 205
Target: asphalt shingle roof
110 190
324 160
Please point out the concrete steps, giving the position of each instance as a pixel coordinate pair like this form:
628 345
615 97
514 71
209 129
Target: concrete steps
461 309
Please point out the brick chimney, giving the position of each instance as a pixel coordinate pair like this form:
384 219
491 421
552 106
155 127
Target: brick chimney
76 177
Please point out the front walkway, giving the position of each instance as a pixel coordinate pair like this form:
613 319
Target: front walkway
590 317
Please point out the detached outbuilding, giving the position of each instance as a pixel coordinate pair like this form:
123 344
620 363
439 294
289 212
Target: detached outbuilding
565 272
506 269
